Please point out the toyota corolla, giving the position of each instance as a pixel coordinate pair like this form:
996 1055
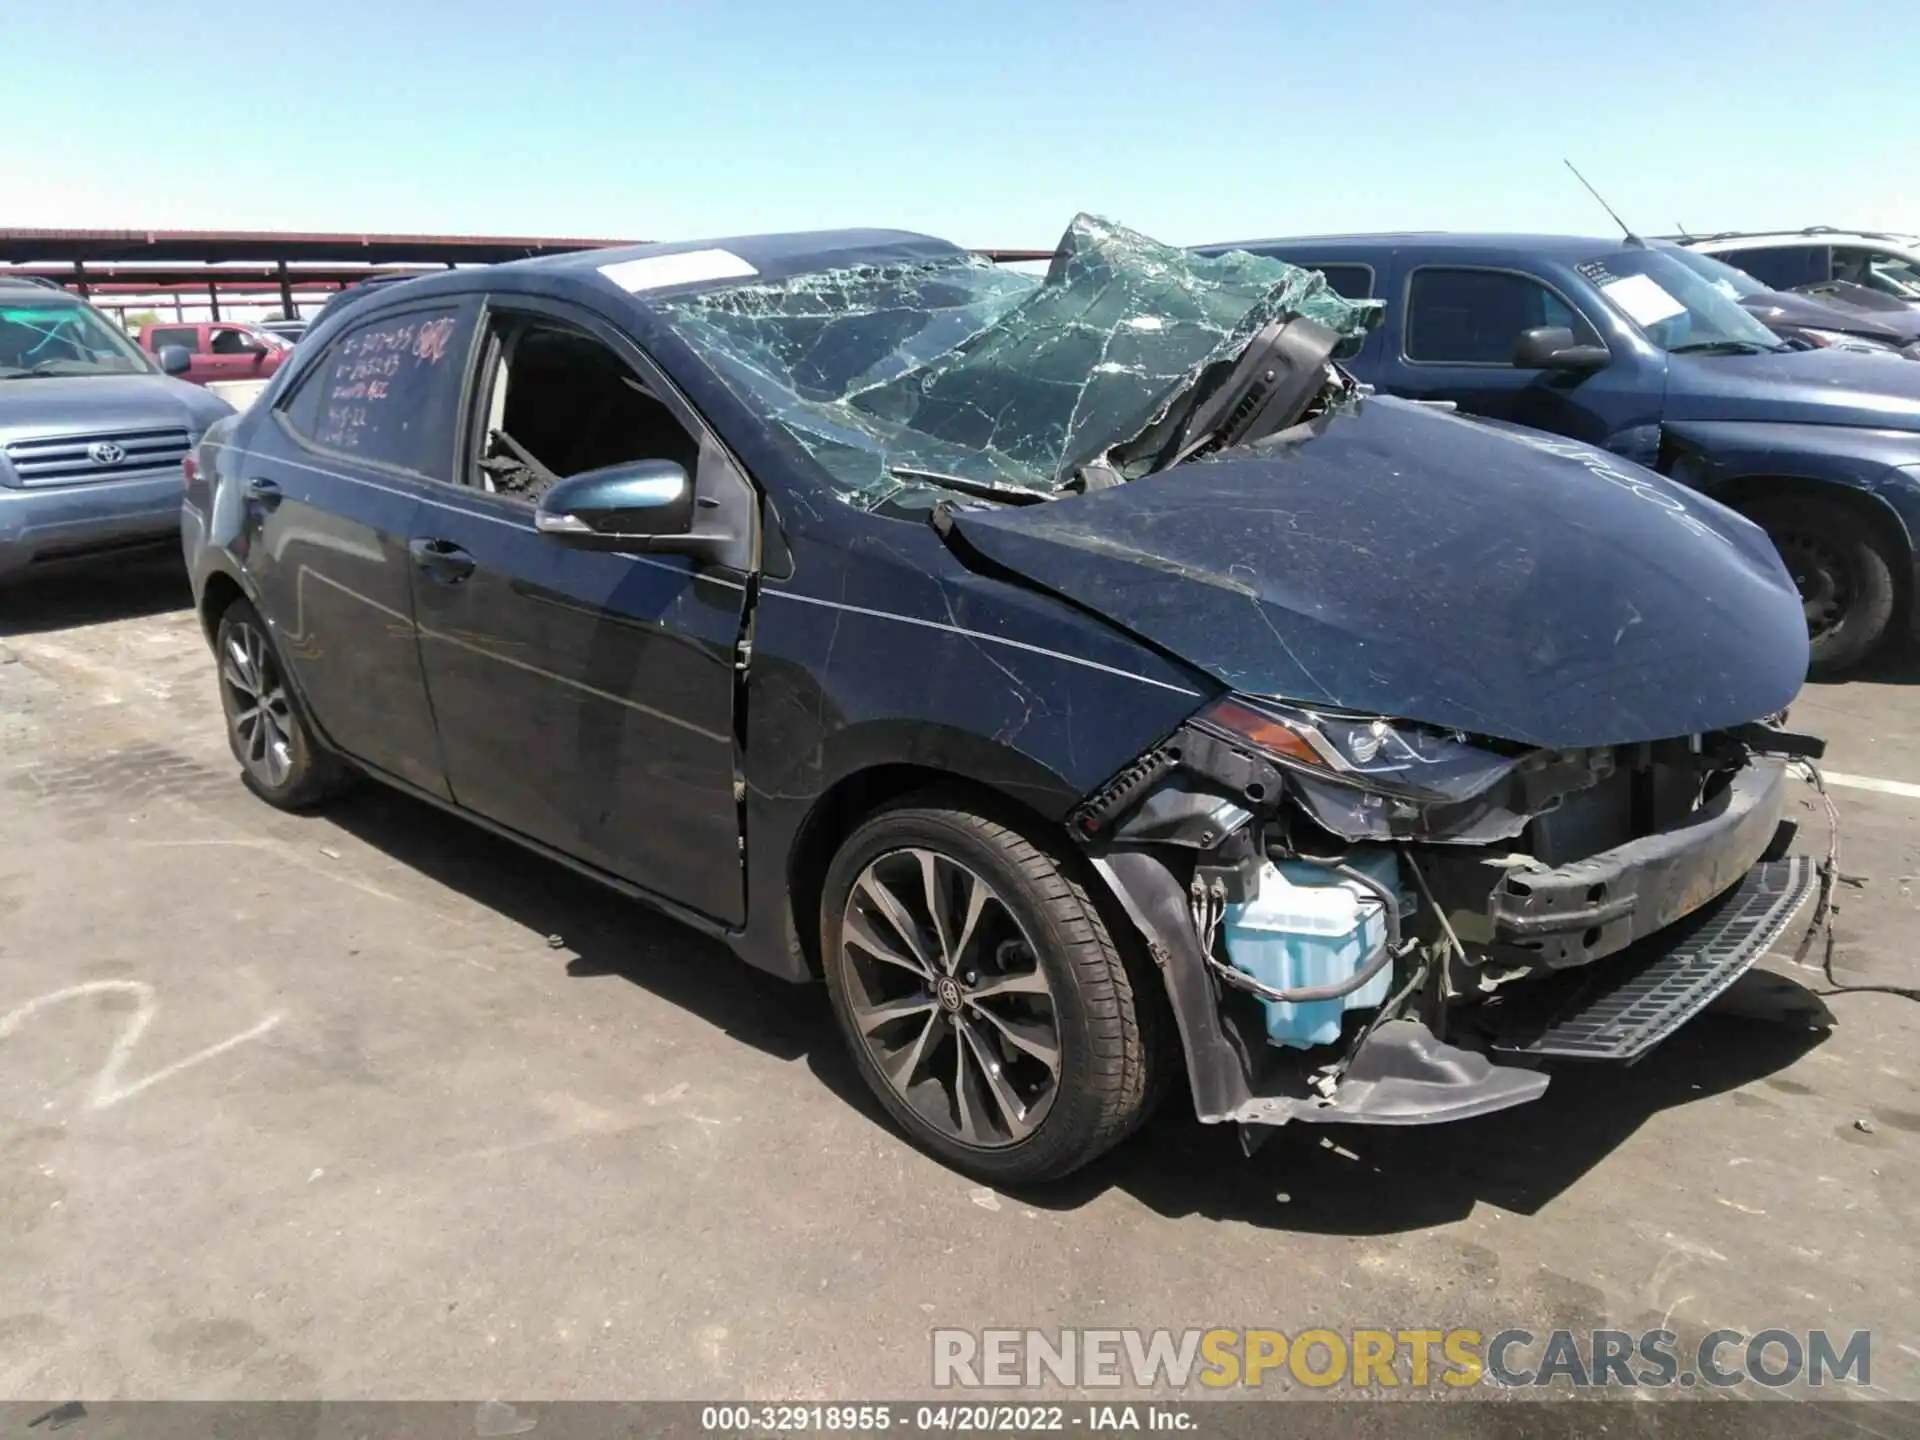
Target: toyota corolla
1079 673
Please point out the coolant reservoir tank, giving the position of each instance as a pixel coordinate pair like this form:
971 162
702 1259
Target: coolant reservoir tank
1307 925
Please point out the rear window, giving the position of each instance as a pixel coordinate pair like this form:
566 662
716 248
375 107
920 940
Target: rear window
186 337
386 391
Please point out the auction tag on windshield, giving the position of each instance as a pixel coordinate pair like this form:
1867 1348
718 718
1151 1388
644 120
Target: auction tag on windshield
1643 299
688 267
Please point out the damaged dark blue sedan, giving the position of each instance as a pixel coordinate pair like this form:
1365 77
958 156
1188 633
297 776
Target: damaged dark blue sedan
1080 674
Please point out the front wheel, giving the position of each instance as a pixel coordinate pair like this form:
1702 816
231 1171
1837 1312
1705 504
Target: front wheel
983 998
1844 571
268 735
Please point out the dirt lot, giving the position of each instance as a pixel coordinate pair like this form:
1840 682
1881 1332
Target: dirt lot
371 1104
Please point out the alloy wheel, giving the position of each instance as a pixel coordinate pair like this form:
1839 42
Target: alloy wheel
258 710
950 998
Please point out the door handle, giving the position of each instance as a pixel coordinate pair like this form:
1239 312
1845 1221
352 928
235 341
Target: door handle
263 490
442 560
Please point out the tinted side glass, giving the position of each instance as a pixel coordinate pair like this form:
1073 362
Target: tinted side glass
1355 282
1472 317
386 391
186 337
1780 267
230 342
1880 270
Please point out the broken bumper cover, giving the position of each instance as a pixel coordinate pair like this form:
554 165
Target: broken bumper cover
1596 907
1402 1074
1621 1009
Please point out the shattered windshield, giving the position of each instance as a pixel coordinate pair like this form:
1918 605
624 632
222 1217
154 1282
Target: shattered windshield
1005 381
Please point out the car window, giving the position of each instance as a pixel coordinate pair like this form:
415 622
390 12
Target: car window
554 401
1472 317
1780 267
185 336
231 342
386 391
42 334
1355 282
1880 270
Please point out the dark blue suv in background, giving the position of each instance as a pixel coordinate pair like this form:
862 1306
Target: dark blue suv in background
1619 344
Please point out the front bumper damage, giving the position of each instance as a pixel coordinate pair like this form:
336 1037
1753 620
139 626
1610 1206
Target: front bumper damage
1509 961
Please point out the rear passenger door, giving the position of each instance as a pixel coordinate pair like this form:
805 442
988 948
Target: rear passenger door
333 476
1453 341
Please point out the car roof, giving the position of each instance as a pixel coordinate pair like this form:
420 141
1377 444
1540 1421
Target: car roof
774 257
1551 245
38 285
1772 239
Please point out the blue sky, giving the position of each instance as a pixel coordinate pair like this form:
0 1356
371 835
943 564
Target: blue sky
988 122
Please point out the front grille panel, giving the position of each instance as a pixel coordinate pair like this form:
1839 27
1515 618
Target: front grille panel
71 459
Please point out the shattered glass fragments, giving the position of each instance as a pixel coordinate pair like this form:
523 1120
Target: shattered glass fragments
964 369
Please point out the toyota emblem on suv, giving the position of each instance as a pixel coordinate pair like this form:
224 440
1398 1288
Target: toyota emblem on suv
105 452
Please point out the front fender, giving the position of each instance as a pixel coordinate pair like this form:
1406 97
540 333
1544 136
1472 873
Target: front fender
1717 456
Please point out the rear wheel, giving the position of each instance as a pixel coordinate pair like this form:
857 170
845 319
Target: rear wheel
1844 571
268 735
984 1001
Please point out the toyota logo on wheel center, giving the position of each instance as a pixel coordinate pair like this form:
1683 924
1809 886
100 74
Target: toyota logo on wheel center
948 993
105 452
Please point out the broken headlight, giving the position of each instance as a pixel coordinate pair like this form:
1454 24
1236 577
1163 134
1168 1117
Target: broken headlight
1360 776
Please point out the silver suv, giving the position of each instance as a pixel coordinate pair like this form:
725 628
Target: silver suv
92 432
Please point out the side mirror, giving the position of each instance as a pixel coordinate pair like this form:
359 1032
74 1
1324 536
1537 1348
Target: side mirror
175 359
1551 347
623 507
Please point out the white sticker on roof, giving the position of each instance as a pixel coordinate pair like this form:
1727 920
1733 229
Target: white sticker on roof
1643 299
687 267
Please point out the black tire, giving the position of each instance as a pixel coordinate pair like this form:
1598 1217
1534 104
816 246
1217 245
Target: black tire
1109 1032
1845 571
279 758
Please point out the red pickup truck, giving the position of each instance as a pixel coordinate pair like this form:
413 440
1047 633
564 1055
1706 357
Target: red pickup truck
220 350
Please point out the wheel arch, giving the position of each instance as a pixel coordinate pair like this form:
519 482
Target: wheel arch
216 597
843 806
1744 491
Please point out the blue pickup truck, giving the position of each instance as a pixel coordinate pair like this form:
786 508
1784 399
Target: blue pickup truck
1619 344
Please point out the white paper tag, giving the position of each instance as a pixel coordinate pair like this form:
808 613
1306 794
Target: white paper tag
686 267
1643 299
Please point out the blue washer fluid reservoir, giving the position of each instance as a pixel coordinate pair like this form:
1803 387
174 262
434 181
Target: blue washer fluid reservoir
1309 926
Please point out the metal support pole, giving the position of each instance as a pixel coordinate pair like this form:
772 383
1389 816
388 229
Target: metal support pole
213 297
286 294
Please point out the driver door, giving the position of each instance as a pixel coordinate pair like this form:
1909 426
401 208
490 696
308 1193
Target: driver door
1456 344
583 699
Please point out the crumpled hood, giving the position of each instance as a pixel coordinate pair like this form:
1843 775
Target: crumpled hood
87 404
1800 387
1410 563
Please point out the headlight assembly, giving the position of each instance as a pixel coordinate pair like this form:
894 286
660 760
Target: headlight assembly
1389 757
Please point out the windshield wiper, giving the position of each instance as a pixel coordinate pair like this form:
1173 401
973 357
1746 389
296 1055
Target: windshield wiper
984 489
1724 347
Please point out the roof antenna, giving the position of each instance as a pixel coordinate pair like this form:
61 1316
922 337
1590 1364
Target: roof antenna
1632 239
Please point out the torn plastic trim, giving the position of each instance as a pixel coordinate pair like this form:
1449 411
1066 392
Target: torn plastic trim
1400 1074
